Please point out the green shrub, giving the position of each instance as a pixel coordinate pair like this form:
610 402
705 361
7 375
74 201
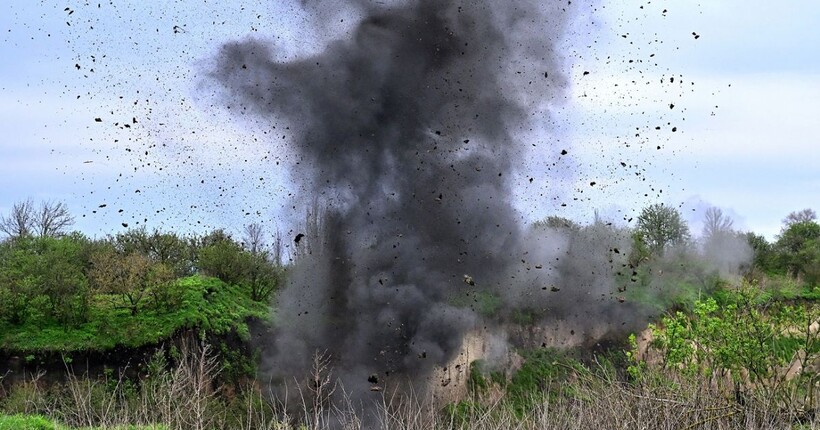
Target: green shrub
542 374
206 304
461 414
28 422
745 334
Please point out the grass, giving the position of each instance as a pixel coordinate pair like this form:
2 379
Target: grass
207 304
39 422
28 422
483 302
541 368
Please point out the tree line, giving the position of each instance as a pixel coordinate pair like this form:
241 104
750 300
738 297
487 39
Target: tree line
50 273
795 252
661 232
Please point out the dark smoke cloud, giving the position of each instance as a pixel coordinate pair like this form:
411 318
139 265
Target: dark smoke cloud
405 129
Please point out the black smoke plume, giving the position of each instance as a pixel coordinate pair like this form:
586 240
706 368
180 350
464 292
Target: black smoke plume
408 130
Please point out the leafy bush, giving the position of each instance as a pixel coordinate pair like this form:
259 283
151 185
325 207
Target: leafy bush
745 337
543 373
226 260
206 304
798 249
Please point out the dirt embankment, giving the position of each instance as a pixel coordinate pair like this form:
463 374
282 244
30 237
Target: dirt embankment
50 367
498 349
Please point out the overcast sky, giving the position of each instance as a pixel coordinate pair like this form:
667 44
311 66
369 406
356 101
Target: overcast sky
745 107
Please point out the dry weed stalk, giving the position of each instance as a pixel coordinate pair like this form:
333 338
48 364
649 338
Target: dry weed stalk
320 389
186 397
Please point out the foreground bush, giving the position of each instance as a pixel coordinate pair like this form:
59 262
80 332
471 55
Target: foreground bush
745 343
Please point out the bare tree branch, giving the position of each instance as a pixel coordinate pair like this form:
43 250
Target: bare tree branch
800 216
312 240
20 222
254 239
278 248
715 223
52 219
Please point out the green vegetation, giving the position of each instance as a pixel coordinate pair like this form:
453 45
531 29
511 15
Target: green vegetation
565 393
483 302
545 372
28 422
38 422
663 284
545 375
482 378
749 346
205 303
725 352
64 292
64 295
746 341
660 227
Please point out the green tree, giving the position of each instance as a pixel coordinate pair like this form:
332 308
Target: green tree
131 276
798 250
166 295
660 227
62 279
262 276
741 333
737 334
762 250
18 280
212 238
800 216
227 261
44 276
558 223
640 252
224 259
810 257
160 247
262 270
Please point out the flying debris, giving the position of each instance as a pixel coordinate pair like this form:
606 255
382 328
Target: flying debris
418 101
469 280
